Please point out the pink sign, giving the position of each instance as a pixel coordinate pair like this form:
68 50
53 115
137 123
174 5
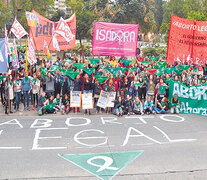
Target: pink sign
112 39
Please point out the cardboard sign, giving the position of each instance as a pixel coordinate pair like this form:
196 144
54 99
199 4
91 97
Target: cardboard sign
87 101
103 98
75 99
110 102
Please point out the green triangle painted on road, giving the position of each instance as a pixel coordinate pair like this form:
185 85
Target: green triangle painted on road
103 165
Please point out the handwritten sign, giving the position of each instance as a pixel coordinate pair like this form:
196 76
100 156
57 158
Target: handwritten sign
112 96
103 98
87 101
75 99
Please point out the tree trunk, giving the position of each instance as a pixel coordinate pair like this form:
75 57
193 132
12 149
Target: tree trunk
81 50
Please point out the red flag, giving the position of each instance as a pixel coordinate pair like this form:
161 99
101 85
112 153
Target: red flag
18 30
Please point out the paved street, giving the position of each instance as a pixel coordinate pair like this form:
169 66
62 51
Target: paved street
169 146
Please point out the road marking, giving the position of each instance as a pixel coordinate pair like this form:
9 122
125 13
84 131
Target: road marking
103 165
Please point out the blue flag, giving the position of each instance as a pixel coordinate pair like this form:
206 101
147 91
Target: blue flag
3 58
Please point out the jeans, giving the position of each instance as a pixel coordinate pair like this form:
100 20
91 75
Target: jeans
118 111
26 98
160 111
18 98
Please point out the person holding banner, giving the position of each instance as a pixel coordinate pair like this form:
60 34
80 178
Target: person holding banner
87 88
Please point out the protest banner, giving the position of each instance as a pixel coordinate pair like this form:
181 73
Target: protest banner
111 99
3 56
75 99
187 41
103 98
45 30
193 99
113 39
87 101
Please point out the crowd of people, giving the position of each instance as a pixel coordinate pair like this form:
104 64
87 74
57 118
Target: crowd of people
141 85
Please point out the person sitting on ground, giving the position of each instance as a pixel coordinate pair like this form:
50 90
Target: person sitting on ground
50 107
41 103
175 104
57 102
66 104
137 106
149 105
162 106
118 107
127 105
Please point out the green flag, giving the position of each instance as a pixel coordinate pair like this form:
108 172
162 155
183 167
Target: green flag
178 71
101 78
160 72
94 61
55 68
167 81
65 71
89 71
123 70
43 70
145 63
2 77
72 74
162 89
126 62
79 65
154 58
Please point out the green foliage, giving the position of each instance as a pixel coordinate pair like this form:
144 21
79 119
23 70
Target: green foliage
158 14
157 52
197 15
4 16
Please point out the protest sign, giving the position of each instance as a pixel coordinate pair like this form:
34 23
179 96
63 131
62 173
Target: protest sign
187 41
87 101
75 99
192 99
111 99
103 98
113 39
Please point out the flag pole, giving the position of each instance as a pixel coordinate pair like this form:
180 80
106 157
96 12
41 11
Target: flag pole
26 68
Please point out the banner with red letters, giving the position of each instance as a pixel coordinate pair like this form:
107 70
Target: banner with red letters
45 29
187 41
112 39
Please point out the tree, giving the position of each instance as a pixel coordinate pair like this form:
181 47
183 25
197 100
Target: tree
196 15
4 16
158 14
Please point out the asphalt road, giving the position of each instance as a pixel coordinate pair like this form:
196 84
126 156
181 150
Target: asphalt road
169 147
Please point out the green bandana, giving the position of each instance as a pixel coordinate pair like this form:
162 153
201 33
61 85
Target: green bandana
57 100
126 62
113 70
94 61
169 70
183 67
34 81
154 58
145 63
11 83
133 69
89 71
26 79
138 84
162 89
50 106
101 78
162 63
73 74
79 65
